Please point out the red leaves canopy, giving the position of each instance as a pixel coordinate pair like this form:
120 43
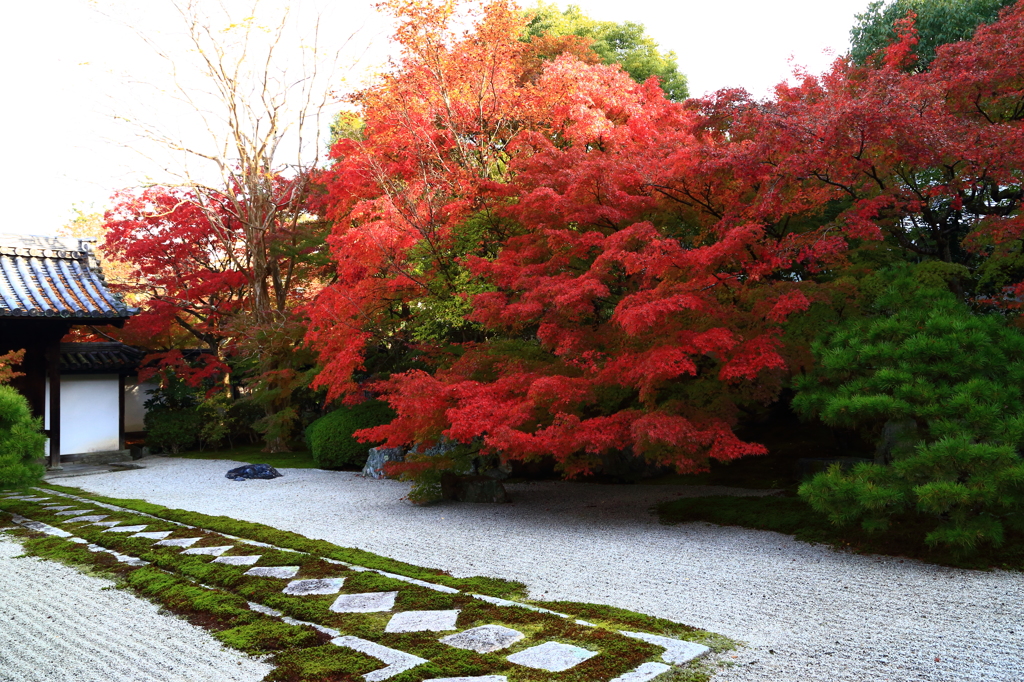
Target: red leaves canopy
629 263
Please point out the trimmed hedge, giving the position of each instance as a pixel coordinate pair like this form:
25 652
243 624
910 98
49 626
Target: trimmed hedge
330 437
173 430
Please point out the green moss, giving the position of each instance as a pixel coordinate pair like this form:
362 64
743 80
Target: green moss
267 635
327 663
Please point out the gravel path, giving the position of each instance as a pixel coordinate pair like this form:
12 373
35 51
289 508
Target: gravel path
59 625
808 613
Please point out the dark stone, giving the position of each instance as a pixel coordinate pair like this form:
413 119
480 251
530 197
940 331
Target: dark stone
261 471
472 489
378 457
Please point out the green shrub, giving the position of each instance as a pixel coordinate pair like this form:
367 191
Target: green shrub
951 382
173 430
21 441
330 437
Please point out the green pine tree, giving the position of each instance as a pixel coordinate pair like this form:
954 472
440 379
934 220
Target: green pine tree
955 380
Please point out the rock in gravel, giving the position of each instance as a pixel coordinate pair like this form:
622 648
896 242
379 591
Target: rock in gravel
378 457
263 472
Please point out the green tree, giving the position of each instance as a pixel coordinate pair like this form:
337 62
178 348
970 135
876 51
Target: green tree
21 441
938 22
954 382
626 44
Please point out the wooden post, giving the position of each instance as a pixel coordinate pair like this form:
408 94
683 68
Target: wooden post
53 373
120 411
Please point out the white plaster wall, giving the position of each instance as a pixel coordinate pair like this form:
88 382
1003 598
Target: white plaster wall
135 395
88 413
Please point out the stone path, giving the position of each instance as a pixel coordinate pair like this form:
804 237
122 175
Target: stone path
809 613
549 656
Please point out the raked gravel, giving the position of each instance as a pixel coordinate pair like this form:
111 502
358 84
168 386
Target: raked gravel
59 625
808 613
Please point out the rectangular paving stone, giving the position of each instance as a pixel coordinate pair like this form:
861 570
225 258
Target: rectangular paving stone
58 507
677 651
647 671
209 551
423 621
366 602
91 517
484 639
331 632
314 586
285 572
244 560
125 529
177 542
397 661
106 524
74 512
552 656
260 608
153 534
29 498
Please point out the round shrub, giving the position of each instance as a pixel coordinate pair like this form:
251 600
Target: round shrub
330 437
173 430
21 442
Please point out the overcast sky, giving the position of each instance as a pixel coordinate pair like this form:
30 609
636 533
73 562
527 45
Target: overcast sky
67 69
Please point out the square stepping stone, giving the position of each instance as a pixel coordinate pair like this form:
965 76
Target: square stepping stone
484 639
106 524
244 560
153 534
423 621
125 529
366 602
92 517
74 512
552 656
209 551
647 671
314 586
677 651
177 542
484 678
284 572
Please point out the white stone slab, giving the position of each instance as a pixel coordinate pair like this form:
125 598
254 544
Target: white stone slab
260 608
367 602
209 551
59 507
314 586
244 560
677 651
421 583
397 661
29 498
54 505
91 518
484 678
552 656
423 621
106 524
75 512
177 542
153 534
126 529
284 572
647 671
484 639
331 632
39 526
498 601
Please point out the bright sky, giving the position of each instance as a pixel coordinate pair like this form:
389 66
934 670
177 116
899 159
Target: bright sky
70 71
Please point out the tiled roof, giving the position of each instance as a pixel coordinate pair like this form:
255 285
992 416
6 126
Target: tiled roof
53 277
99 357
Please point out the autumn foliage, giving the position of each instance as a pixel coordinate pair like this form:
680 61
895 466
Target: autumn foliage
538 256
